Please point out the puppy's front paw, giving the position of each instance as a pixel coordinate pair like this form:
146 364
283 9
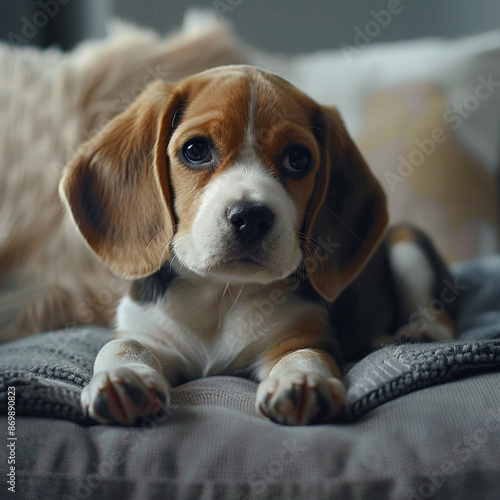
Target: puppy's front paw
124 394
294 397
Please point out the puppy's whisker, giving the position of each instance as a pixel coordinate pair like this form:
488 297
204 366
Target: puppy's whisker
162 254
150 153
221 308
154 238
308 244
169 244
237 297
172 260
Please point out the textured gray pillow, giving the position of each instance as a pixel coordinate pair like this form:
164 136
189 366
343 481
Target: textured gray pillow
441 443
438 442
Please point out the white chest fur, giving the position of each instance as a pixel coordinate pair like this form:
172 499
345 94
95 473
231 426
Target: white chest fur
203 328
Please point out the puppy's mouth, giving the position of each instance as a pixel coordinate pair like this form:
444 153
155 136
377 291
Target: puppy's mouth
244 267
233 262
244 260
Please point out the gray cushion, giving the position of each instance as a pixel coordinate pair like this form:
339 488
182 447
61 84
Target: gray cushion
440 441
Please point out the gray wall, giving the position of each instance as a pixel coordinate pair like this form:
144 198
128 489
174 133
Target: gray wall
53 22
275 25
304 25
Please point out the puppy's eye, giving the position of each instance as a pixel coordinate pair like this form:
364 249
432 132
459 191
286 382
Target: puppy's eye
197 151
298 160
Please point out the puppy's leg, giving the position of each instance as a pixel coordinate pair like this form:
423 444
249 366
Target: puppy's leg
301 387
127 384
420 278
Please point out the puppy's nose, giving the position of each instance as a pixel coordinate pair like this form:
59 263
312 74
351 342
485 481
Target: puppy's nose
250 221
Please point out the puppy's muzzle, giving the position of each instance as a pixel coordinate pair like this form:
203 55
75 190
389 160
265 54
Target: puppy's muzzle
250 222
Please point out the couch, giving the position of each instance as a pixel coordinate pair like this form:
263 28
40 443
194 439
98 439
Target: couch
423 419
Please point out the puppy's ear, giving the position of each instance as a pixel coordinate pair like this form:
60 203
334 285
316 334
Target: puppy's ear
347 213
116 186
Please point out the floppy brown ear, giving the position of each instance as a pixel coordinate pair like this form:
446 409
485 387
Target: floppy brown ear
347 214
116 186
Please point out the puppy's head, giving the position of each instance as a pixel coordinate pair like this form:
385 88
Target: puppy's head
235 174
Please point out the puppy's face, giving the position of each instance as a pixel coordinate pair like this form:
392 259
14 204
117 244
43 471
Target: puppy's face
243 159
235 174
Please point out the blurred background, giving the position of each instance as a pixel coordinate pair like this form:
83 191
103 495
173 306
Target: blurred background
279 25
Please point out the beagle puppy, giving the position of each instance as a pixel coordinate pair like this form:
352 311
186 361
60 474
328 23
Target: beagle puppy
240 209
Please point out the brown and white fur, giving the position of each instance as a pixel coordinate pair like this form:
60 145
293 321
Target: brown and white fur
240 208
51 102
